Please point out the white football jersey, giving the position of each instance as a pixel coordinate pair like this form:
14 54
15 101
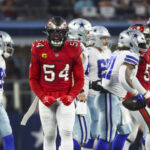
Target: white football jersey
86 68
97 65
110 79
2 75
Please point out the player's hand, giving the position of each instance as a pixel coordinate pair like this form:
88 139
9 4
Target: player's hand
147 97
48 100
82 97
66 99
141 100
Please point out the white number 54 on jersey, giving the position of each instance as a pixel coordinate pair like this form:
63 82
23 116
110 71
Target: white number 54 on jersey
48 70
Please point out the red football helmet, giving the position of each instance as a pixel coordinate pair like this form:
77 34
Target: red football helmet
144 29
57 31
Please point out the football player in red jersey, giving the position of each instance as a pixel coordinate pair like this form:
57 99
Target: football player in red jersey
54 61
143 74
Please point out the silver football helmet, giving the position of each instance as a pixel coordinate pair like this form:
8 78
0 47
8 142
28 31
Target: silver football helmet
6 44
79 29
133 39
97 36
144 29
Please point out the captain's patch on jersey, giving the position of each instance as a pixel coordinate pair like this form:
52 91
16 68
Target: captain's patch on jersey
44 55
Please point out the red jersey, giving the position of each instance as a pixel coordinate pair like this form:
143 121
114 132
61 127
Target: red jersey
51 72
143 73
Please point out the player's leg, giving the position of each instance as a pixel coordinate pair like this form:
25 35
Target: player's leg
147 142
109 119
131 136
49 125
142 118
65 118
137 144
123 128
94 133
81 131
5 130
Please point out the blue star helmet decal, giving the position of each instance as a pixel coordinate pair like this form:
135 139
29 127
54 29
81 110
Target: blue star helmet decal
135 35
81 24
95 30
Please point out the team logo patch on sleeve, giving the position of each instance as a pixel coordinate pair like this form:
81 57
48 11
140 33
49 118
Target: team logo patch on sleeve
44 55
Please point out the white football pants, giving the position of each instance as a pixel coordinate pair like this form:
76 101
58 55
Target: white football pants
57 115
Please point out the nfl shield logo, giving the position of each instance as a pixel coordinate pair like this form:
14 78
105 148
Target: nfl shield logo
56 54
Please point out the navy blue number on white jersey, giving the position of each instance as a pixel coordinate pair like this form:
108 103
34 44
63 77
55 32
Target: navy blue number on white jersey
101 67
87 68
109 67
2 75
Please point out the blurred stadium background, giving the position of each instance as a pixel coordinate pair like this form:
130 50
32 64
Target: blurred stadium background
25 21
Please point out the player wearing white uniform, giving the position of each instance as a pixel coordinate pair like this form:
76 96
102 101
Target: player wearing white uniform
78 30
6 50
141 117
98 56
119 77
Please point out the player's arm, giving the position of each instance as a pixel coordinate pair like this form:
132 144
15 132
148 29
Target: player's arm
78 74
34 74
82 96
127 77
125 73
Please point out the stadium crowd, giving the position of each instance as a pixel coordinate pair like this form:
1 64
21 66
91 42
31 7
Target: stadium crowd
69 9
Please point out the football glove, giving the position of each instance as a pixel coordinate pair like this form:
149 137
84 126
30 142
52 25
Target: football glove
141 100
96 85
48 100
66 99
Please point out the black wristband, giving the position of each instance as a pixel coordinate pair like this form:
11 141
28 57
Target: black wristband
82 91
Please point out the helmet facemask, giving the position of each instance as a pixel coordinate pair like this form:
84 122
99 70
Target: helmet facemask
9 50
57 38
6 45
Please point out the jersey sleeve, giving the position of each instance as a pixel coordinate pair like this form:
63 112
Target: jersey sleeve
131 58
34 73
78 75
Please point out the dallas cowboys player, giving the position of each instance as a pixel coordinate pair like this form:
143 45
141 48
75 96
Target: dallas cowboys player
6 50
119 77
78 30
99 53
141 117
